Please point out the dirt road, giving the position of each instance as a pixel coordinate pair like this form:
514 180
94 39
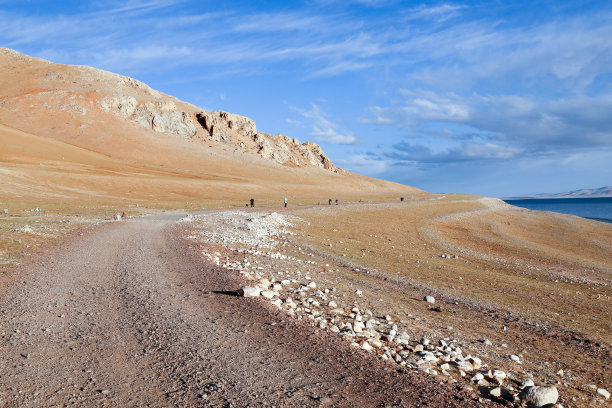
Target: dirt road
130 315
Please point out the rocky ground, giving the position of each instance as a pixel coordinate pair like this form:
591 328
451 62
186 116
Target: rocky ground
131 314
312 286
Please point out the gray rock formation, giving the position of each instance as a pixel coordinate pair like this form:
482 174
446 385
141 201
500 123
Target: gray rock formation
238 130
162 116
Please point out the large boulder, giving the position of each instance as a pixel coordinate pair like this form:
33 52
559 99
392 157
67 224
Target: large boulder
539 396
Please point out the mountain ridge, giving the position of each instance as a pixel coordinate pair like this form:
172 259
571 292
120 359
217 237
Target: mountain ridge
605 191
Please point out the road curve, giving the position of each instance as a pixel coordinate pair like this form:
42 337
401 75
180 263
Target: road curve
129 315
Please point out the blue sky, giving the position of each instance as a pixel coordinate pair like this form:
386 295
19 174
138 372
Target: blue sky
491 98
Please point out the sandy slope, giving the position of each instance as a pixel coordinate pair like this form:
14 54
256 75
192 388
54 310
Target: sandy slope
59 143
128 315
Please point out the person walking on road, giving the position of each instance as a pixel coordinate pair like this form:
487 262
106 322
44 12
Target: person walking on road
285 202
252 202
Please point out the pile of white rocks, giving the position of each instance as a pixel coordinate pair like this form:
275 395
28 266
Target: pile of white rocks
382 336
247 228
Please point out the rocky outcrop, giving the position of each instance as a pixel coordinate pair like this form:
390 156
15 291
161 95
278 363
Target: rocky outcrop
162 116
84 92
234 129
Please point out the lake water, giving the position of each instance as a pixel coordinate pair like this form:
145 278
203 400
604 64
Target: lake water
599 209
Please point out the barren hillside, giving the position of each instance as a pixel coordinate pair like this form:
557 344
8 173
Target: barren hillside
78 132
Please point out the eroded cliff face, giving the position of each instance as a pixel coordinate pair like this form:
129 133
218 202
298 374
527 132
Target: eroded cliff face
241 131
84 92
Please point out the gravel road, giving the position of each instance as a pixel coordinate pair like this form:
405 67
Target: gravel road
129 315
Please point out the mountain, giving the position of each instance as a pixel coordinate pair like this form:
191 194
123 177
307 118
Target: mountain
78 132
605 191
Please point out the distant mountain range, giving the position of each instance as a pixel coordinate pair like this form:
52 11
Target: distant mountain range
584 193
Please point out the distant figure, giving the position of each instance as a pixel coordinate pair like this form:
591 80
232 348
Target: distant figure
401 198
252 202
330 201
285 202
124 215
336 202
247 205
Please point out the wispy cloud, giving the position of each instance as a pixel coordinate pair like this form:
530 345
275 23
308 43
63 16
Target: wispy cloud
323 129
365 163
499 126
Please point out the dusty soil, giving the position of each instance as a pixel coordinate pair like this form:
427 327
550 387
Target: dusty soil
130 315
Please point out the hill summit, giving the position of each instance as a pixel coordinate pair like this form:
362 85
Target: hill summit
81 90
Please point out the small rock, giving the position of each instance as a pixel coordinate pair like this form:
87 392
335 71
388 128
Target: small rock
539 396
476 362
430 299
268 294
499 376
515 358
496 392
604 393
312 285
358 292
249 291
332 304
366 346
376 343
465 366
477 377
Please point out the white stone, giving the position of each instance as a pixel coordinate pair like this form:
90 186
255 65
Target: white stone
430 299
249 291
539 396
465 366
358 292
477 377
366 346
499 376
376 343
312 285
476 362
604 393
332 304
269 294
358 327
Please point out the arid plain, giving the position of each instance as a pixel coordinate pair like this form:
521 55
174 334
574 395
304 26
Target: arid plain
82 145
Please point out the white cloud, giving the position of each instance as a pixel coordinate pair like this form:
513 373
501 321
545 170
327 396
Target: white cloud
365 164
323 130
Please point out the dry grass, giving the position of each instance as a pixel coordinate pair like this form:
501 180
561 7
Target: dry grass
544 277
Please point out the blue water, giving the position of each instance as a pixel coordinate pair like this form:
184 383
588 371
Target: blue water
599 209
